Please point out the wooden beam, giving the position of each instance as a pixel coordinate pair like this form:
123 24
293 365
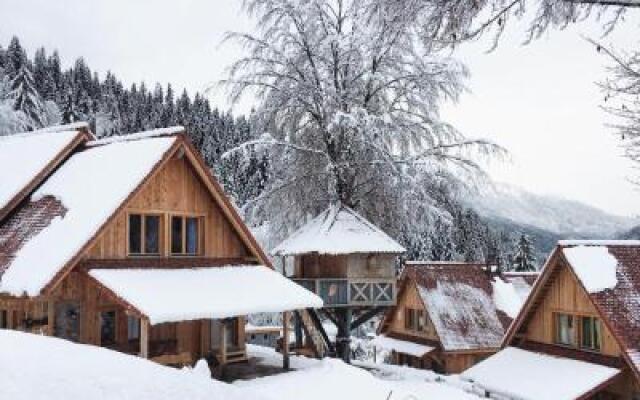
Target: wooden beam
51 317
223 342
285 340
144 337
365 316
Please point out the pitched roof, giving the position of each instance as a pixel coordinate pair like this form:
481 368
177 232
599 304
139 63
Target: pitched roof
78 199
26 159
91 185
547 377
609 273
459 300
338 230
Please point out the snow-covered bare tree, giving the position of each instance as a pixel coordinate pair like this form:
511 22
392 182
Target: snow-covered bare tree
349 96
622 97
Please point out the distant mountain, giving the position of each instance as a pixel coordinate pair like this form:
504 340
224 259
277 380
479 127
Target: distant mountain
556 216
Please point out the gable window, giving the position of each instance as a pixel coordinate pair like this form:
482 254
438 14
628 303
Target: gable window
565 329
590 333
144 234
186 235
415 320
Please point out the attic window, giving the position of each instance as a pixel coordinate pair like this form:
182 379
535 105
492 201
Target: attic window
144 234
565 329
186 235
590 333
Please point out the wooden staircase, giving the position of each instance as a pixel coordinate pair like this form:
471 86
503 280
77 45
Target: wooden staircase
315 333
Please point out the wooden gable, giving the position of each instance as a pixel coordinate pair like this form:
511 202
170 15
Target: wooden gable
174 189
562 293
409 299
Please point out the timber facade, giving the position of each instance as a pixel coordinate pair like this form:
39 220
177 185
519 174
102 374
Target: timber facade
176 218
562 318
448 308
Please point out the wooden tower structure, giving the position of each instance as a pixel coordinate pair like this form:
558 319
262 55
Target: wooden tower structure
351 264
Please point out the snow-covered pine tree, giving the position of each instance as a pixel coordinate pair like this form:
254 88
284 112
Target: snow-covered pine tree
523 258
349 108
26 98
16 57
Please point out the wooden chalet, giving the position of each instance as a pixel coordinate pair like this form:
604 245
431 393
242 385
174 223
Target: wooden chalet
578 334
129 243
450 315
347 261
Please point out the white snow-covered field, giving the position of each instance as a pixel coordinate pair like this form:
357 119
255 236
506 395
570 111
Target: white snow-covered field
36 367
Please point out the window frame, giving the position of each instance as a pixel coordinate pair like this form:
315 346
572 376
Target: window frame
200 218
143 233
556 329
595 322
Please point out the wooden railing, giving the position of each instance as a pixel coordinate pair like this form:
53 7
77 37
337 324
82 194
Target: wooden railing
352 292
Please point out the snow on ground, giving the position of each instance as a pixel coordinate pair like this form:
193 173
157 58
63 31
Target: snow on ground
594 265
36 367
332 379
218 292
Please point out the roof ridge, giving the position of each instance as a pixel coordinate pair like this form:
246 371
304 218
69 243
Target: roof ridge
129 137
76 126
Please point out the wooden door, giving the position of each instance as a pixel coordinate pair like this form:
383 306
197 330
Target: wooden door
67 321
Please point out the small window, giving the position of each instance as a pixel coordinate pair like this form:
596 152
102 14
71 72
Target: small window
408 318
135 234
185 235
133 328
420 320
3 319
565 330
590 333
192 235
152 234
176 235
107 328
144 234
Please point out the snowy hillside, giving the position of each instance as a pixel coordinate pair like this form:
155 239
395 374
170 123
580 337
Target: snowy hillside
553 214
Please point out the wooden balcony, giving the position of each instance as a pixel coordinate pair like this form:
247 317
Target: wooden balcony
352 292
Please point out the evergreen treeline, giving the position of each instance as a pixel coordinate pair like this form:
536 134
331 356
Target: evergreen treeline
39 92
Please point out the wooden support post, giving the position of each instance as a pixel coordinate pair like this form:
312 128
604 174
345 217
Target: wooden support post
144 338
285 340
51 317
223 342
297 328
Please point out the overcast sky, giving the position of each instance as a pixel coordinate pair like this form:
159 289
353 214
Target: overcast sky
539 101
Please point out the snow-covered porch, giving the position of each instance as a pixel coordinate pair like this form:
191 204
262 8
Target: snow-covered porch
187 314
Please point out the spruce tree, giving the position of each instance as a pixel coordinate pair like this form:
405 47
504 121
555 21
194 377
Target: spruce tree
26 98
523 259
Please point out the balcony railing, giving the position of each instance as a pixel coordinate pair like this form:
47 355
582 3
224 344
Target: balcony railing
352 292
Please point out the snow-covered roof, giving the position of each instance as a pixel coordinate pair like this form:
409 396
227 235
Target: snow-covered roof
594 266
401 346
338 230
507 297
459 299
514 373
88 188
216 292
24 156
160 132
